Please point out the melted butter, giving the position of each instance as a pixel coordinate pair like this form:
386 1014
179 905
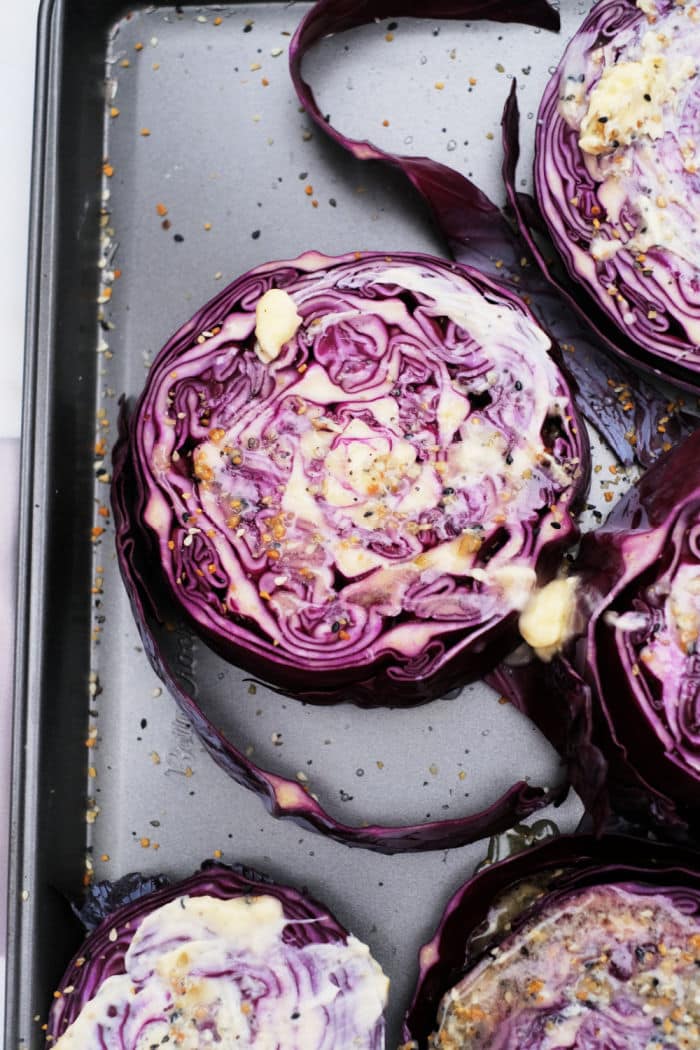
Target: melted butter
365 463
516 583
631 110
547 621
629 99
213 988
561 979
276 322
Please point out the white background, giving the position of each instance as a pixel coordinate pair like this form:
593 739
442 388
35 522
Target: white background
18 26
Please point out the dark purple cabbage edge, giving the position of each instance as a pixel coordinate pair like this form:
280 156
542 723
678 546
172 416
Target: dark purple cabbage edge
152 605
123 905
373 683
581 701
574 862
604 22
605 384
479 234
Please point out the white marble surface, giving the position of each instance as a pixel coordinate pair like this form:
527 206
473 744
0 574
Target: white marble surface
18 26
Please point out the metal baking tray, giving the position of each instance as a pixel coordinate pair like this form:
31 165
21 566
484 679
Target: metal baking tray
191 109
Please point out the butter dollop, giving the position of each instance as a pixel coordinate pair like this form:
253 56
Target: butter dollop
548 620
628 101
276 322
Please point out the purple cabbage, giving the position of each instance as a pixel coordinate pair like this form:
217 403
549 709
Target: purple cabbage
273 984
155 609
506 245
573 943
618 190
642 637
621 702
373 504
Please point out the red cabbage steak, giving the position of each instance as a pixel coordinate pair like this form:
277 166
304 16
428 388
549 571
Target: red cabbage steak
593 945
224 958
616 176
352 472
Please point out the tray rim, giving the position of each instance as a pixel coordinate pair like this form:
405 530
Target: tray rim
26 701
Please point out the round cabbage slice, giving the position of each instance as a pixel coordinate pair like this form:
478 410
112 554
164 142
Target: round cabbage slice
358 467
616 174
221 959
585 944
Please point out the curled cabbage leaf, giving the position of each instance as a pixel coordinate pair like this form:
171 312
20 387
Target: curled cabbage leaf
352 472
616 177
577 943
225 957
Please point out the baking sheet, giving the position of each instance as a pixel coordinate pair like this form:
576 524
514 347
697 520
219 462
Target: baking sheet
173 157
